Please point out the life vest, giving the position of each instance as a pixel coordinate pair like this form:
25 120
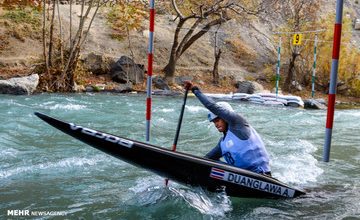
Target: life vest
248 154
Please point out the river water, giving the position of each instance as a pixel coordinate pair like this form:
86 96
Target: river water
46 174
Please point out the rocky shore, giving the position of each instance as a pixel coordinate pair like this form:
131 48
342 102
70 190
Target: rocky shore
109 68
246 91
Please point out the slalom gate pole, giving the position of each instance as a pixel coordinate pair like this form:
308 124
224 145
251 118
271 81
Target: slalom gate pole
314 69
150 68
278 68
333 79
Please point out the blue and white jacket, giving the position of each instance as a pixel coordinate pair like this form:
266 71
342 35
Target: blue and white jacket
241 145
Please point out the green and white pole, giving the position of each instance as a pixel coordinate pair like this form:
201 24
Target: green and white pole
314 69
278 68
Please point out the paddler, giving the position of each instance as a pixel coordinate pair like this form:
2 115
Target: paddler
241 145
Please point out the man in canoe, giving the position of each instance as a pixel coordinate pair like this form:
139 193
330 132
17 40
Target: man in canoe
241 145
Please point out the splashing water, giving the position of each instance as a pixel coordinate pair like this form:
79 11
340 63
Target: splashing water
44 169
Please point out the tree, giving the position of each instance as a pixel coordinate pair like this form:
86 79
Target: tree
60 56
349 62
200 17
300 15
300 58
217 55
126 16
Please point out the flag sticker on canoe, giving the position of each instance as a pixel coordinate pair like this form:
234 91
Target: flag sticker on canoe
251 182
217 173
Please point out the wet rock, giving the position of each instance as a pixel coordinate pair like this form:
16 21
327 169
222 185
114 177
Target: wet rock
249 87
126 70
166 92
121 88
356 24
181 79
98 64
19 85
297 85
313 104
160 83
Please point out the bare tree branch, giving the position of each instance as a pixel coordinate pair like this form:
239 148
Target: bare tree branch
44 38
199 34
61 36
206 15
70 28
179 14
51 41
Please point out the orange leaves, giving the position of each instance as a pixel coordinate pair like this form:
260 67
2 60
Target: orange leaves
126 17
12 4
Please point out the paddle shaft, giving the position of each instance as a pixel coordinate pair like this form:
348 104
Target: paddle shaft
178 127
180 121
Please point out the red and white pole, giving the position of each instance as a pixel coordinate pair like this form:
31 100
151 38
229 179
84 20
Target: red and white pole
150 68
333 79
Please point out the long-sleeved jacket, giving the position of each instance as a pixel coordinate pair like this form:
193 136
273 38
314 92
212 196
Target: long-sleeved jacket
241 145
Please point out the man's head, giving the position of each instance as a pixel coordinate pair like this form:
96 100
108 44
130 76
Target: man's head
220 123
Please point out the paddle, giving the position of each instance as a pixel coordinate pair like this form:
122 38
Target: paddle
180 121
179 125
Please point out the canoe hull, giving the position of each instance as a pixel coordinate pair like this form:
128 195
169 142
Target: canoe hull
181 167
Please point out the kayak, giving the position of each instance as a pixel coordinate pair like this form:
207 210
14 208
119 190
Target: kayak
183 168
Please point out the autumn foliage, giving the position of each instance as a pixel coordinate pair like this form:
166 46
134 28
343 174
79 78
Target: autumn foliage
125 17
349 62
12 4
297 62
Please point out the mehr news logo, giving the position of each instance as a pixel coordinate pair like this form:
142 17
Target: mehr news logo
18 212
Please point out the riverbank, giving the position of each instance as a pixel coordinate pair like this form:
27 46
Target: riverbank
17 58
224 91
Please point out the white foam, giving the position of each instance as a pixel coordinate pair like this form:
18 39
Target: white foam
65 163
166 110
348 113
151 191
63 106
161 120
195 109
295 165
214 204
68 107
9 152
143 184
